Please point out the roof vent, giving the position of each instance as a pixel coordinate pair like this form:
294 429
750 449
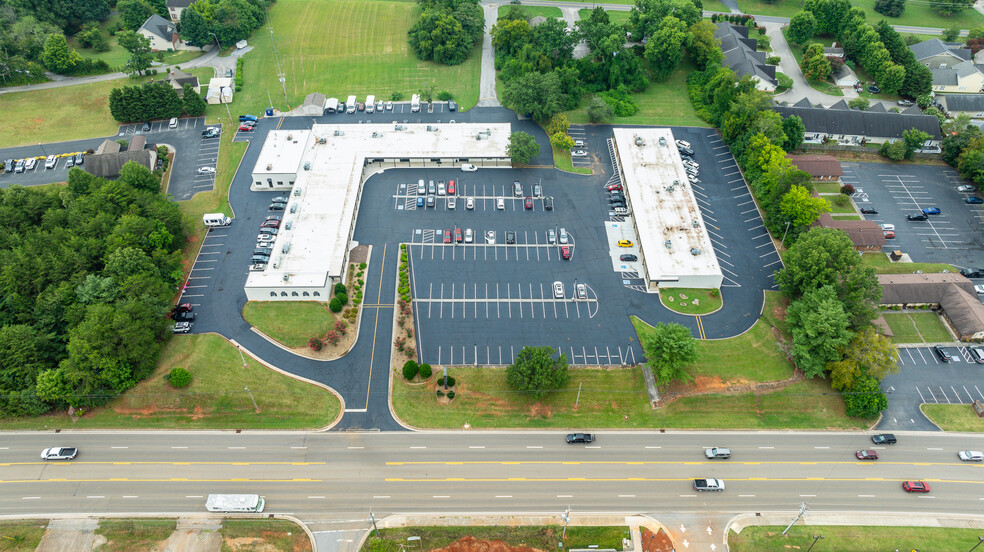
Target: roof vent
269 166
694 251
662 141
339 133
322 140
286 276
639 141
668 244
290 137
297 191
288 225
307 165
286 248
293 208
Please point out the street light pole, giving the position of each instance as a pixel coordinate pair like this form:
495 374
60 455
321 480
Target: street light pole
803 509
783 242
566 517
979 541
42 149
815 539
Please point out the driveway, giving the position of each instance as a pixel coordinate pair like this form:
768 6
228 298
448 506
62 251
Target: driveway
486 92
801 88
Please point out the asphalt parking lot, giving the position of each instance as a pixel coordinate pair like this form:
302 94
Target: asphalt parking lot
40 175
924 379
954 236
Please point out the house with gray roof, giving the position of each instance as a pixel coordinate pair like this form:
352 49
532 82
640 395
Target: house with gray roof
109 159
954 105
175 7
741 55
163 34
843 125
964 77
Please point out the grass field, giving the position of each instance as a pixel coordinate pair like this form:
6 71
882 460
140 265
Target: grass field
883 265
690 300
954 417
58 114
342 47
536 537
215 399
834 208
21 536
117 56
827 187
533 11
916 327
125 535
292 323
562 160
840 538
916 14
663 103
279 535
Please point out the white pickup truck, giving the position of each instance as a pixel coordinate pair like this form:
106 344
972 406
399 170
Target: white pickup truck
59 453
708 485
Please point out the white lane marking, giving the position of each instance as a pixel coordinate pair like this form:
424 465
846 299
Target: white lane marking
317 496
688 496
119 447
572 496
130 496
807 496
440 496
866 496
236 448
593 446
653 447
95 496
533 447
821 447
934 448
356 447
381 496
503 496
39 498
767 447
746 496
476 446
418 447
179 447
298 447
194 496
626 496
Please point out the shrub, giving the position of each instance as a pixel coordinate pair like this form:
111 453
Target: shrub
410 352
339 288
315 344
425 371
450 394
444 96
410 369
847 189
843 200
395 96
341 326
440 393
179 377
239 74
342 297
450 382
335 305
773 60
332 337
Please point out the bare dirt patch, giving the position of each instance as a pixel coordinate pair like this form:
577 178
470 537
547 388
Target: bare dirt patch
471 544
656 542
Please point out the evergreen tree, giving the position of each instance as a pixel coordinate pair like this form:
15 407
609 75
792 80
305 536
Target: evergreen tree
194 104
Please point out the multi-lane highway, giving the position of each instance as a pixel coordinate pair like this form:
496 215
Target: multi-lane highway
349 473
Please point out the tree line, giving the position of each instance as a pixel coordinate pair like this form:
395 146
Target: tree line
228 21
154 100
446 30
87 275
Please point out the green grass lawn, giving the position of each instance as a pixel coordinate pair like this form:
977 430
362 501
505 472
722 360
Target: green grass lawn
68 113
343 47
916 327
533 11
834 208
846 538
562 160
21 536
663 103
682 300
618 17
916 14
292 323
883 265
536 537
128 534
827 187
954 417
215 399
845 217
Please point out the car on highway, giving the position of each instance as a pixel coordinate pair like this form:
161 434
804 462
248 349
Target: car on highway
932 210
468 167
579 153
866 455
965 188
973 200
942 354
971 455
717 453
59 453
447 235
205 170
628 257
573 438
469 203
558 289
565 252
915 487
528 202
625 243
869 211
883 439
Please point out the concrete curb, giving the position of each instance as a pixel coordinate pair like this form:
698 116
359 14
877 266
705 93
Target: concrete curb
299 523
907 519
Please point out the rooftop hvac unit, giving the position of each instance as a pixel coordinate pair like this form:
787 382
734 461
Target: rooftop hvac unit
639 141
286 248
339 133
293 208
288 225
376 135
478 136
286 276
695 224
297 191
322 140
694 251
307 165
276 264
269 166
399 127
662 141
290 137
668 244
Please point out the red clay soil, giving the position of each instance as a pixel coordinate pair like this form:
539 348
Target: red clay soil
471 544
659 543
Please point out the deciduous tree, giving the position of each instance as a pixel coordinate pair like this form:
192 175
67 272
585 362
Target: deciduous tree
819 327
58 57
537 372
535 94
802 27
865 399
665 48
814 64
522 148
139 48
669 349
868 353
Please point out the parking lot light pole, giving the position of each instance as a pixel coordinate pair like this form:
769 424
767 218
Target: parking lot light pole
42 149
815 539
979 541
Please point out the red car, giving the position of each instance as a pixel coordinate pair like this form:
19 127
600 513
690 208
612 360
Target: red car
565 252
613 187
447 236
450 187
915 487
245 128
270 224
529 202
457 235
889 234
183 307
866 455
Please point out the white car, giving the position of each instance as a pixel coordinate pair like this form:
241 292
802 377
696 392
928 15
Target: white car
469 203
441 190
206 170
500 203
59 453
467 167
979 288
579 153
683 144
49 162
965 188
582 291
490 237
30 163
558 288
389 106
971 455
888 227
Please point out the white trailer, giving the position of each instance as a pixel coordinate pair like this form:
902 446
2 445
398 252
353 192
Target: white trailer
350 105
415 103
331 105
216 219
371 104
235 503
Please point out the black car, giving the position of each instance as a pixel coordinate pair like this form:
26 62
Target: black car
452 106
264 251
616 199
943 355
548 203
146 127
972 272
277 206
628 257
917 216
869 210
883 439
580 438
510 237
183 316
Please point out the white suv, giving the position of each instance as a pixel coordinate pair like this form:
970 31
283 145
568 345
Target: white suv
49 162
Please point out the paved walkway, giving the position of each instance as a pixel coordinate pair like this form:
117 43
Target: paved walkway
486 92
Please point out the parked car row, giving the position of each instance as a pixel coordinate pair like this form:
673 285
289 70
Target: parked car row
31 163
264 240
183 317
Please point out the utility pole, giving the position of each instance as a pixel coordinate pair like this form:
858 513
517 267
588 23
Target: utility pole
567 518
280 70
252 399
372 519
803 509
815 539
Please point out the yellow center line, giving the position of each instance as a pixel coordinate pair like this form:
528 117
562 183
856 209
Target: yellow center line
654 479
151 463
668 462
375 325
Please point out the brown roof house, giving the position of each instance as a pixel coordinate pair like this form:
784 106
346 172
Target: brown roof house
865 234
178 78
819 167
108 159
952 293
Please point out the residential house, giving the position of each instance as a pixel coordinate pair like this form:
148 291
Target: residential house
742 57
220 90
109 159
866 235
935 53
952 293
163 34
951 64
177 79
843 125
175 7
833 51
962 104
845 77
819 167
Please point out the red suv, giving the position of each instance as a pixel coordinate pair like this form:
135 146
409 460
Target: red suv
450 187
529 202
613 187
457 235
915 487
565 252
447 236
866 455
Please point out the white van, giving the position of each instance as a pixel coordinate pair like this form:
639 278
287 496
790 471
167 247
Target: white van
371 104
500 203
216 219
468 235
421 188
415 103
173 123
350 105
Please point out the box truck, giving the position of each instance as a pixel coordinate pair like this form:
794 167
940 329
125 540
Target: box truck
246 503
415 103
216 219
370 104
331 104
350 105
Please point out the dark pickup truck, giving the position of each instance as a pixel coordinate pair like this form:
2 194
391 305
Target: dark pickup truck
580 438
210 132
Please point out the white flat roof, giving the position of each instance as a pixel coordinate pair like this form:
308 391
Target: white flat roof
326 195
661 210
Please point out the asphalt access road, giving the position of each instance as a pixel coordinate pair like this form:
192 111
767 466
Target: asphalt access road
191 152
40 175
486 472
954 236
